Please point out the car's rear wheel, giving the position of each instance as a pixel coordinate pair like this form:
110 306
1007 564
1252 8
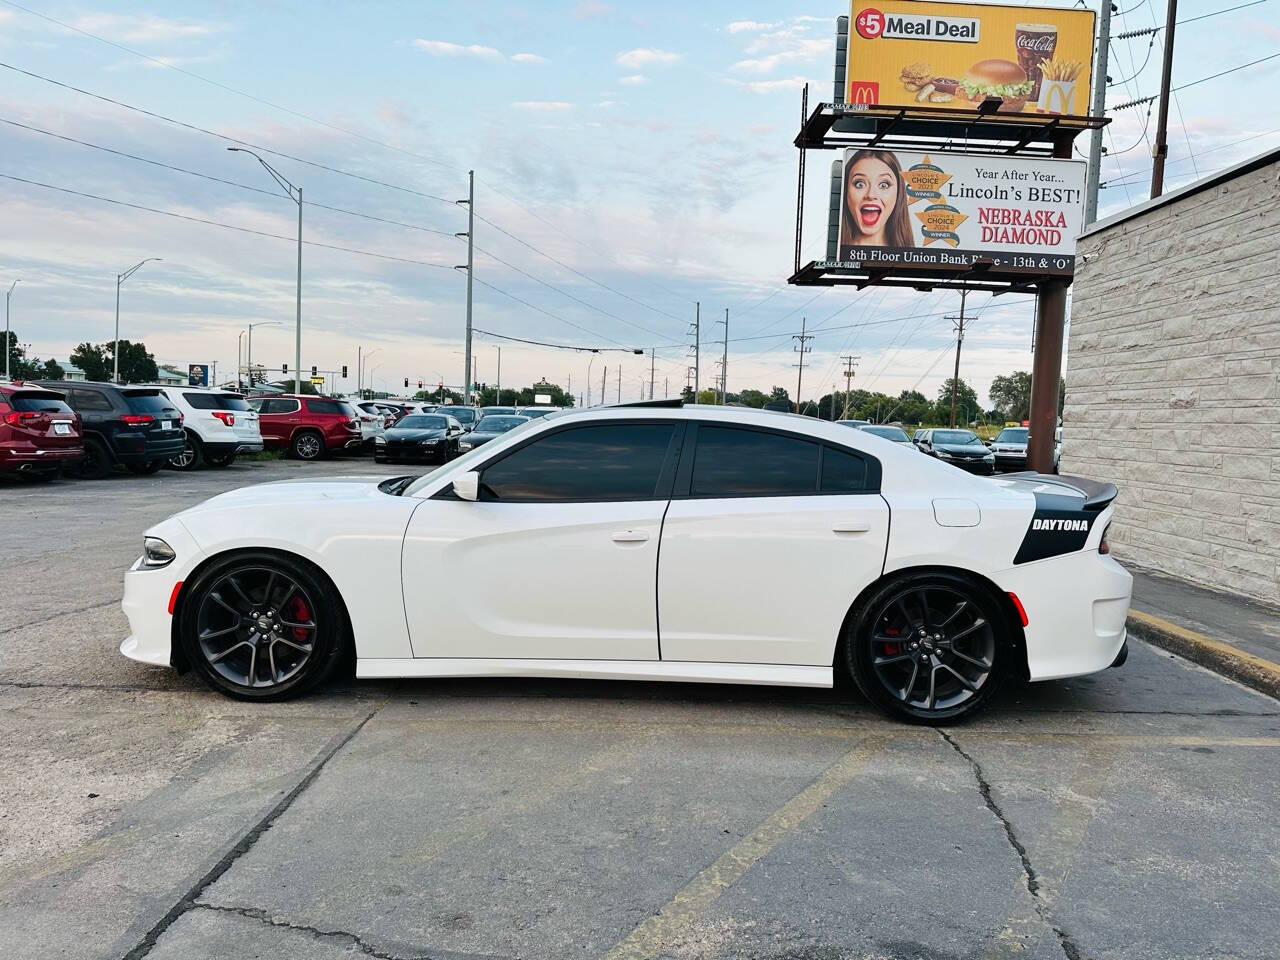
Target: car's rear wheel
192 455
96 464
929 648
307 445
261 626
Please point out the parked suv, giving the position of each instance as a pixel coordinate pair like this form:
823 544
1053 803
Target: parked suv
39 433
308 427
218 425
138 427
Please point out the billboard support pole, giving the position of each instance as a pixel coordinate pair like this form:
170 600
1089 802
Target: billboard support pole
1046 372
1098 109
804 115
1161 149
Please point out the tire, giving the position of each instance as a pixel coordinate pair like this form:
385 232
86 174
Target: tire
96 464
307 445
283 657
147 468
929 648
192 456
225 460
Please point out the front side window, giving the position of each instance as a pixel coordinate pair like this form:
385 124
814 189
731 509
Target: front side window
748 463
620 461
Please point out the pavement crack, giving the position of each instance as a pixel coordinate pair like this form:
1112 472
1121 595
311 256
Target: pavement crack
1070 949
242 846
354 939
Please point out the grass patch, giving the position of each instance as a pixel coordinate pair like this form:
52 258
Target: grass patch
262 456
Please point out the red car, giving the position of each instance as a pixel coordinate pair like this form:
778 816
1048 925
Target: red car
308 427
39 433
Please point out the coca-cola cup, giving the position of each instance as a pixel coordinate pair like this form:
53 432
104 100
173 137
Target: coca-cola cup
1035 43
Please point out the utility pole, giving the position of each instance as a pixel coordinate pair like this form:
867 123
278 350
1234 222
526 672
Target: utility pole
470 268
666 387
619 383
1161 149
359 373
849 363
1098 109
652 361
802 349
955 380
499 376
604 380
696 331
7 351
724 363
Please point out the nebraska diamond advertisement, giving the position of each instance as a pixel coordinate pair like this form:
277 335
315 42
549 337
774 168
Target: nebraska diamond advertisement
948 209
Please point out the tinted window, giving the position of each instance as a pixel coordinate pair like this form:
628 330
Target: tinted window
38 403
89 400
216 401
325 406
463 415
419 422
843 472
492 424
1012 435
147 401
956 437
889 433
277 405
746 463
613 462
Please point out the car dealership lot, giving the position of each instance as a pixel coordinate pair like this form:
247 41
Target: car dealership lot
1133 813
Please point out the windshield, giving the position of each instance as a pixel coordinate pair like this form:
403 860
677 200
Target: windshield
420 422
491 424
463 415
532 412
889 433
468 461
957 438
499 411
1012 435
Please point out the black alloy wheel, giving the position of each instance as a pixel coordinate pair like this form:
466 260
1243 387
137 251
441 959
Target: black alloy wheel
261 627
96 464
192 455
929 648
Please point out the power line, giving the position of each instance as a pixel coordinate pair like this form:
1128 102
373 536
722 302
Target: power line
555 346
1129 34
1120 180
1214 76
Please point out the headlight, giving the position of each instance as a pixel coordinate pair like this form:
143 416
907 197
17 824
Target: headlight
379 440
943 454
156 553
428 443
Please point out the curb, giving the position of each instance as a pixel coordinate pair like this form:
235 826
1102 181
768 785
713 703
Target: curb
1255 672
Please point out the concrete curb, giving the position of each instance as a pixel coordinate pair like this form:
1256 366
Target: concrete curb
1255 672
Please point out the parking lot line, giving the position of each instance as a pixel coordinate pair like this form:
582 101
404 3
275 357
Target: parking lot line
678 915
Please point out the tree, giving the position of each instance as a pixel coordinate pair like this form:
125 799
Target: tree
912 406
92 361
137 365
1011 395
708 396
752 398
22 367
967 406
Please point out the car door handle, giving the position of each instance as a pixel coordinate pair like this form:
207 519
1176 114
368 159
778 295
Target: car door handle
630 536
850 526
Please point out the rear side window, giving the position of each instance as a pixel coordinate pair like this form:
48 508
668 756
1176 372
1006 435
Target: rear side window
216 401
620 461
38 403
843 472
150 401
89 400
748 463
325 407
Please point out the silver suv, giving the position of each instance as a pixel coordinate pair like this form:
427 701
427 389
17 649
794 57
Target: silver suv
218 426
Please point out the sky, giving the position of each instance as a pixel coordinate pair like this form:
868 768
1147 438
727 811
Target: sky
630 162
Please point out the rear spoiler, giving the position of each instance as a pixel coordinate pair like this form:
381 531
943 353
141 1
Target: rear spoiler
1096 495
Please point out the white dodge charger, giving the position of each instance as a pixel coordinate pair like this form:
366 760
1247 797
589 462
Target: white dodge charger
648 542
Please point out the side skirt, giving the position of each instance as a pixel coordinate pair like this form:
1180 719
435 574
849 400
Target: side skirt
771 674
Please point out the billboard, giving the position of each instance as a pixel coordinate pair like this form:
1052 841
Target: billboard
197 374
908 53
947 209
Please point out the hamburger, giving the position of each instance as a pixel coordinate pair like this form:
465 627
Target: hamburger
996 78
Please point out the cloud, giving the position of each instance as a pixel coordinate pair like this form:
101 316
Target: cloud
769 86
145 29
543 106
446 49
528 58
748 26
643 57
800 50
633 80
591 9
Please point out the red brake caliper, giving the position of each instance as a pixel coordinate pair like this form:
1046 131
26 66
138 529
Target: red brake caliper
892 649
299 613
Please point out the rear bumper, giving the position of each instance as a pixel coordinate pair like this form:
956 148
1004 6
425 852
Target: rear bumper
222 448
27 457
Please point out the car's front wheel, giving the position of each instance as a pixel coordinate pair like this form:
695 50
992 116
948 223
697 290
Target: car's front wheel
929 647
261 626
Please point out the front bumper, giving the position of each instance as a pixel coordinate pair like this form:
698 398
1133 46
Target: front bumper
147 592
410 454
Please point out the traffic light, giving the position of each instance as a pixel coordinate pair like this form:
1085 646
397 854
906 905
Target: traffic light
344 371
419 384
313 369
406 381
285 368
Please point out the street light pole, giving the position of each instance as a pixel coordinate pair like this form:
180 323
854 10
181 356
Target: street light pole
121 278
249 358
239 365
294 194
7 351
499 375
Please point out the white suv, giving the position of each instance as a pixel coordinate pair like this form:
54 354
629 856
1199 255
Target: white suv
218 425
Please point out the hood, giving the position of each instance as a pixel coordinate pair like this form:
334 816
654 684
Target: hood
397 433
962 449
319 490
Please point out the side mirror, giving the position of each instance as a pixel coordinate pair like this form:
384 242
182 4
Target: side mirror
467 486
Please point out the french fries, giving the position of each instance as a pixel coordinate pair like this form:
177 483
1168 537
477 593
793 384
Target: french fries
1062 71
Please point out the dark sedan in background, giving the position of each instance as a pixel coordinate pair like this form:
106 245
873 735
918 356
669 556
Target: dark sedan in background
419 438
960 448
896 434
488 428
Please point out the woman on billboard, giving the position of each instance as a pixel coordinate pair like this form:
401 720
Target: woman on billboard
875 203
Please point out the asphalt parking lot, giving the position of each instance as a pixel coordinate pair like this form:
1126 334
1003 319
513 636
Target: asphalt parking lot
1134 814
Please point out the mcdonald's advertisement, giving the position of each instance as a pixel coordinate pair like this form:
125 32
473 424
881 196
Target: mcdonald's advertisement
948 210
919 53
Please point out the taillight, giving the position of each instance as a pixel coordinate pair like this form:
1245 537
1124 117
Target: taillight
137 418
1104 545
14 418
227 418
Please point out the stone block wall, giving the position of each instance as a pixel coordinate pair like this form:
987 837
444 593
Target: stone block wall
1173 383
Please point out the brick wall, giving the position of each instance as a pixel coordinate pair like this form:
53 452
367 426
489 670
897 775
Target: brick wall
1173 383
